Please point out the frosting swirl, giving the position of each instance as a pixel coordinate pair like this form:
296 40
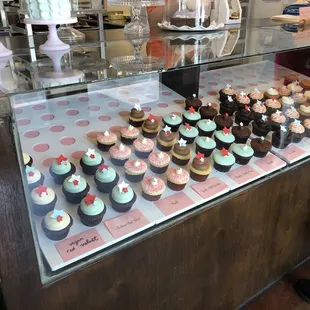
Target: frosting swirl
273 103
134 113
151 125
256 95
278 117
200 165
243 99
259 108
181 150
272 92
296 127
292 113
305 108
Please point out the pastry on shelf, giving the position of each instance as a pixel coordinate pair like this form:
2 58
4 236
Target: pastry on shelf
181 153
241 133
122 197
172 120
272 105
119 154
261 147
106 178
271 93
287 102
143 147
205 146
224 138
299 98
191 117
228 106
152 188
150 127
256 95
186 17
135 170
91 210
258 109
136 116
90 162
28 161
281 138
277 119
194 102
284 91
226 92
75 188
241 100
207 111
295 87
305 84
43 200
297 131
34 177
291 114
243 153
291 78
188 133
222 121
129 134
206 127
61 168
304 111
159 162
166 139
106 140
177 178
244 116
200 169
261 127
223 160
234 15
306 124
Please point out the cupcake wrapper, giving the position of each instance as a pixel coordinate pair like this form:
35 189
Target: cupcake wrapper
134 178
221 168
260 154
280 144
239 105
242 140
59 178
42 210
275 126
203 133
123 207
149 135
224 110
76 198
118 162
89 220
245 121
297 137
142 154
106 187
210 117
30 162
57 235
174 128
220 144
127 141
36 184
206 152
187 139
136 124
104 147
163 148
158 170
191 123
198 177
242 160
271 111
150 197
90 170
224 97
175 187
259 132
307 131
180 162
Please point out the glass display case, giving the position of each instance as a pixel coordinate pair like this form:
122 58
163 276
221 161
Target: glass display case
107 158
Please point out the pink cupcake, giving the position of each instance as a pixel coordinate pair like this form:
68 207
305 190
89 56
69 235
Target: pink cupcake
292 113
119 154
258 109
135 170
277 119
256 95
177 178
106 140
129 134
143 147
152 188
299 99
284 91
272 105
242 100
159 162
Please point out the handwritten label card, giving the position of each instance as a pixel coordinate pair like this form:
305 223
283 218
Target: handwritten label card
269 163
292 152
79 244
174 203
210 187
126 223
243 174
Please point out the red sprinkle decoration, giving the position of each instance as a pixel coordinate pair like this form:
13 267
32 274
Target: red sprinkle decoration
247 108
125 190
200 156
60 159
226 131
89 199
59 218
188 126
192 110
224 152
75 182
31 174
102 167
151 117
226 114
41 189
92 156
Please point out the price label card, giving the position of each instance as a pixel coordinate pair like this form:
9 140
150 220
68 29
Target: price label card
174 203
126 223
243 174
292 152
79 244
210 187
269 163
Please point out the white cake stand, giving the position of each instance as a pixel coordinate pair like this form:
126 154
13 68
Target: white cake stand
53 43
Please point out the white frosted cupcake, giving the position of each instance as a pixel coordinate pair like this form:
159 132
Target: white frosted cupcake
34 177
43 200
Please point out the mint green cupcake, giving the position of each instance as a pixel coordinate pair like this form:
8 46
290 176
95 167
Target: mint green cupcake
224 138
223 160
188 133
191 117
75 188
173 121
243 153
206 127
205 145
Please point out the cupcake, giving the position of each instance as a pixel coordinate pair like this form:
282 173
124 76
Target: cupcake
105 178
75 188
306 124
106 140
34 177
272 105
207 112
223 160
177 178
150 127
304 111
297 131
205 146
227 91
261 127
206 127
193 102
284 91
244 116
224 138
272 93
119 154
255 96
295 87
305 84
258 109
290 79
136 116
143 147
261 147
43 200
222 121
166 139
291 114
307 95
200 168
129 134
228 106
241 133
172 120
287 102
61 168
28 161
181 153
135 170
152 188
188 133
299 98
241 100
122 197
191 117
281 138
91 210
243 153
90 162
159 162
277 119
56 224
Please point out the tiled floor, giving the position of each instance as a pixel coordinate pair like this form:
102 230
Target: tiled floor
282 296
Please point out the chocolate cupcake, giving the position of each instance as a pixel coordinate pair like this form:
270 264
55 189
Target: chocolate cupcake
191 117
244 116
241 133
172 120
222 121
290 79
291 114
272 93
228 106
227 91
205 146
136 116
43 200
223 160
181 153
166 139
150 127
261 127
207 112
261 147
281 138
61 168
193 102
90 162
188 133
177 178
200 168
206 127
75 188
241 100
255 96
272 105
135 170
297 131
258 109
224 139
243 153
277 119
306 124
34 177
106 178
